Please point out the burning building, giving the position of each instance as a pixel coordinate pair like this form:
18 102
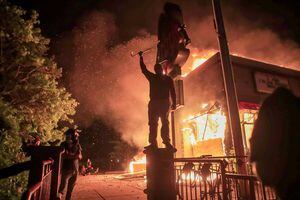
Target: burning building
201 125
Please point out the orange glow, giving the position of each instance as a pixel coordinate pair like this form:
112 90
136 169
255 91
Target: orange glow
197 62
137 165
203 134
248 119
193 176
208 126
196 59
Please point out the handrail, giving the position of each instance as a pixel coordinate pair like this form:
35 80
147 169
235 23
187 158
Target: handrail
198 160
251 185
212 157
46 172
241 176
47 162
34 188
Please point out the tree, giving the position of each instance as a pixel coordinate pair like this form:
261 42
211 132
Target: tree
31 98
105 147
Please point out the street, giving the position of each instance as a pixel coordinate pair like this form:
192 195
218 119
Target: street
116 186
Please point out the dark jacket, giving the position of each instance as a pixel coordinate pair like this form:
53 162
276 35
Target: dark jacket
161 86
70 161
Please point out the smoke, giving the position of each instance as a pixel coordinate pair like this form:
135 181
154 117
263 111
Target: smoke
265 45
107 81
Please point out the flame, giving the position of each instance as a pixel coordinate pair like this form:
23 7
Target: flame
191 135
192 176
203 134
192 139
197 62
139 162
248 119
208 126
196 59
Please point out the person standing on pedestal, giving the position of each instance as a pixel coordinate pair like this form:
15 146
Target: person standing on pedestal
161 89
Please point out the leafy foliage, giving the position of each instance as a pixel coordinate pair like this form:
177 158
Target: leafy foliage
31 99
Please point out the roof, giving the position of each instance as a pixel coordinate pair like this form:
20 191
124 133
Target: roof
247 62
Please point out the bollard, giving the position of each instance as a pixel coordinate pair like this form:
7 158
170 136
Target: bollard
160 174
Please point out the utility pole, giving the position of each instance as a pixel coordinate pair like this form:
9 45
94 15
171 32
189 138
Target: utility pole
229 84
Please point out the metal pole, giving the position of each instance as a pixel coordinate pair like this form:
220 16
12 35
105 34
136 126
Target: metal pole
230 89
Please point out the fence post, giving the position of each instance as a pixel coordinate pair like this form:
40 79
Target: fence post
223 178
252 190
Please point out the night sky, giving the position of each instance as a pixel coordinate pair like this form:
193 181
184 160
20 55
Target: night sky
57 16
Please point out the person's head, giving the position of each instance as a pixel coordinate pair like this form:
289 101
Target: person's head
158 69
174 11
71 135
171 7
275 141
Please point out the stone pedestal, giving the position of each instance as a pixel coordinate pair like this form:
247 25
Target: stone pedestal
160 174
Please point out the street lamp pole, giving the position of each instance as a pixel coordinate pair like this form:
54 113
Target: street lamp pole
229 84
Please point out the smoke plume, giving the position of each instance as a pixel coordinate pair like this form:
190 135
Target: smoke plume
107 81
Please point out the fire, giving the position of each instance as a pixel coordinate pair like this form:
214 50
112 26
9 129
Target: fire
137 165
192 139
197 62
196 59
207 126
204 134
193 176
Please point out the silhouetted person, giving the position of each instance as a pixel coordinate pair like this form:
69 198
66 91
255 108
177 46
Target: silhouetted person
161 88
275 143
70 163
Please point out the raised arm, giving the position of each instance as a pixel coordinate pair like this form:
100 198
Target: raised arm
173 94
144 69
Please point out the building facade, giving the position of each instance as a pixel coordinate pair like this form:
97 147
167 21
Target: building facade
201 125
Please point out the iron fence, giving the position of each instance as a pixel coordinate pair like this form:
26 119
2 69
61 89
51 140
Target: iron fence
200 178
216 178
247 187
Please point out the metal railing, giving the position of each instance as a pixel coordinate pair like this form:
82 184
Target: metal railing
247 187
200 178
41 189
216 178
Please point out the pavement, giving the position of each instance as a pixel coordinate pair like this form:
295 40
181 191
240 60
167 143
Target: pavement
113 186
